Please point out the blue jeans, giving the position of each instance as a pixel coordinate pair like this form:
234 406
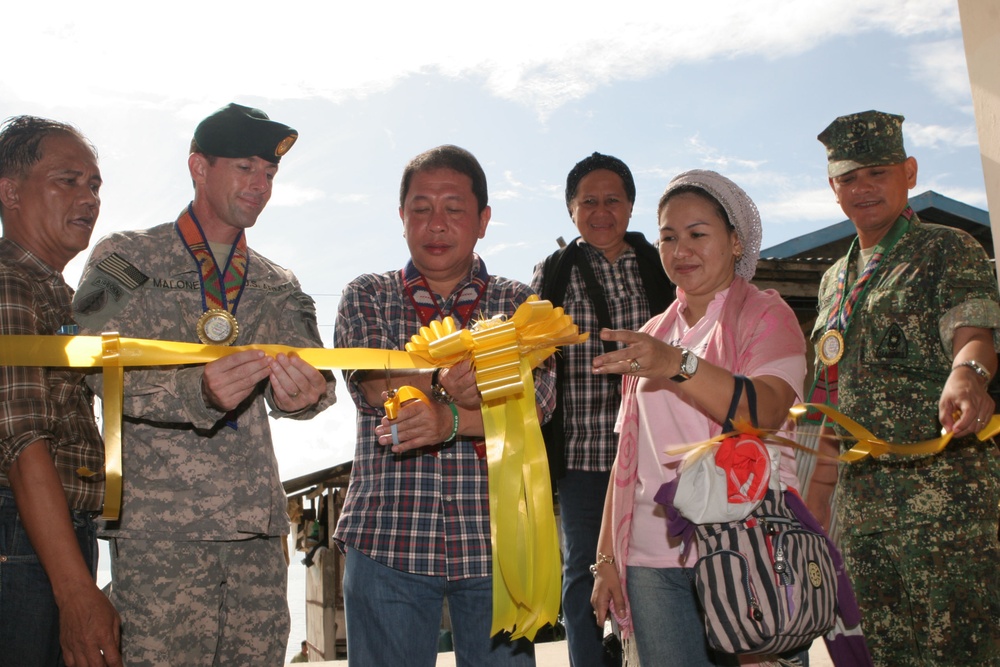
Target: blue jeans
668 625
29 617
581 508
394 618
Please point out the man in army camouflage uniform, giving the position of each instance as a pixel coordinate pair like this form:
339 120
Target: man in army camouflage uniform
908 325
198 571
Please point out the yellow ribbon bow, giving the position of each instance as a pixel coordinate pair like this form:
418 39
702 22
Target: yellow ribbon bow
526 564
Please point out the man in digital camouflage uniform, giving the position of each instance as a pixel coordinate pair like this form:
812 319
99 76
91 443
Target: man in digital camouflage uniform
908 325
198 570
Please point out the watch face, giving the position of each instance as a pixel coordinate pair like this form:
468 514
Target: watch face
689 363
440 394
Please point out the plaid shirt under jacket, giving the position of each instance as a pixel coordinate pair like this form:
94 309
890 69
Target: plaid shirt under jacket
590 402
418 513
50 404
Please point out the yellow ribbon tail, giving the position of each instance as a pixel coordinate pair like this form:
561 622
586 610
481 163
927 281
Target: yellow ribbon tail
867 443
114 383
870 445
992 429
526 562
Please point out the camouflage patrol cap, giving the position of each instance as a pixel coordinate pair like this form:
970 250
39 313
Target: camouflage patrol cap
865 139
236 131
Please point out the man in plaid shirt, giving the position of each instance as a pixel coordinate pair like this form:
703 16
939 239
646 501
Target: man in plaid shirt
415 525
51 611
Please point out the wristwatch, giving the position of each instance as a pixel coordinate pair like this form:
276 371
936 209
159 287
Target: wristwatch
977 368
689 365
438 392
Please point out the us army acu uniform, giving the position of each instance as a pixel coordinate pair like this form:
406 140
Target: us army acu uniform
931 521
198 482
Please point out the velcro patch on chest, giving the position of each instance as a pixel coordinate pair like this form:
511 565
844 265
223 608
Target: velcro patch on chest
893 344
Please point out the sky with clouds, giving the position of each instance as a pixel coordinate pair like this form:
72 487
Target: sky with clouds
742 87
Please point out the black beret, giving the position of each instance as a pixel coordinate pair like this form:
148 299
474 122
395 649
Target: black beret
236 131
593 163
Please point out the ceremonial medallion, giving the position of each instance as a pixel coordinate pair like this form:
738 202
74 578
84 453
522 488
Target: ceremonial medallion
217 327
831 347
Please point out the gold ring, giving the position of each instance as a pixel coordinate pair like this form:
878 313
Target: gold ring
295 395
634 366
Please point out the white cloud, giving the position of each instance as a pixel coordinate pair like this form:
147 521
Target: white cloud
939 136
940 67
505 194
713 158
492 250
195 53
966 195
292 194
350 198
800 206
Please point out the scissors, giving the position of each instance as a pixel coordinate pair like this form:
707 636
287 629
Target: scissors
396 397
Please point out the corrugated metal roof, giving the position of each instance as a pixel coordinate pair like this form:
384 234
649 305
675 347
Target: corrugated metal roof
929 205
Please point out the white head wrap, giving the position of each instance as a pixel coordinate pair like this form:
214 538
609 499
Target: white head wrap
742 212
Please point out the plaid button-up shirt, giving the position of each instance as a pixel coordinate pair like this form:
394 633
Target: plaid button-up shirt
50 404
421 514
590 402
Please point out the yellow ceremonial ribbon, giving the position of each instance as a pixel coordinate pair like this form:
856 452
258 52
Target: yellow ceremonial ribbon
114 380
88 352
868 444
114 354
526 565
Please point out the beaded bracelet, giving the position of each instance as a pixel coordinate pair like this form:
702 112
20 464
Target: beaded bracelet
601 559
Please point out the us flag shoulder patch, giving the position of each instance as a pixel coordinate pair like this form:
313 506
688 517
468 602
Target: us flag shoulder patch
118 268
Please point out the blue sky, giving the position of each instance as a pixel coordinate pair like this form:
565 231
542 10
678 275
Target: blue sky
740 87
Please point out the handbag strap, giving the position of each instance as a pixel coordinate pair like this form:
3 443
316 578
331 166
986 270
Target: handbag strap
743 383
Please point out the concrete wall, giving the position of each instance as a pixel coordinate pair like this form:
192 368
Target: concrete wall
981 34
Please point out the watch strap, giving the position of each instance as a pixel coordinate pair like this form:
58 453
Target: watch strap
977 368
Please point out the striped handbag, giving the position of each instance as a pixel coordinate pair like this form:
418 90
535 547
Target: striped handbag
766 583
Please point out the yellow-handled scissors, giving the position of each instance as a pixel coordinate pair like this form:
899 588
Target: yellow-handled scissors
396 398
